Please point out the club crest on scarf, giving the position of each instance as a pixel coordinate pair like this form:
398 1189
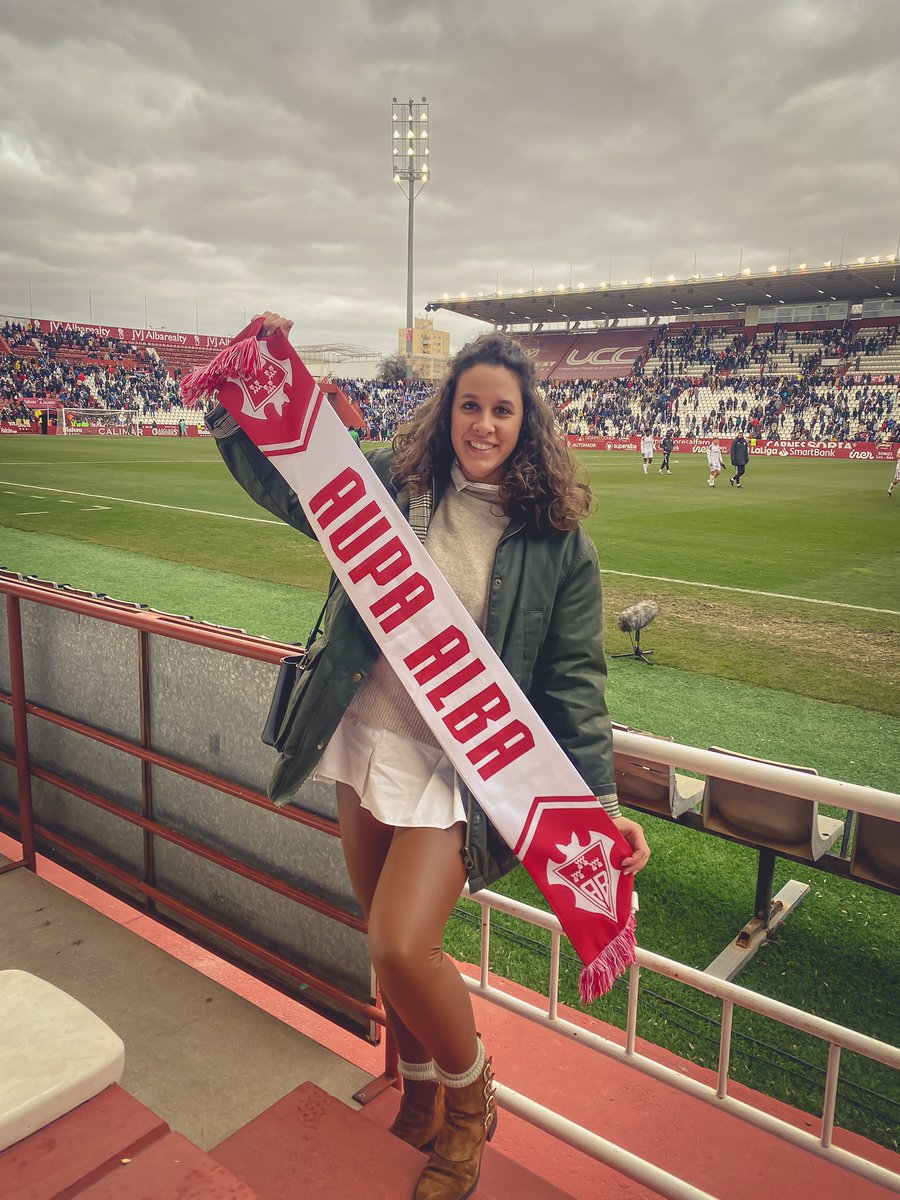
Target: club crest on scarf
278 397
266 386
588 872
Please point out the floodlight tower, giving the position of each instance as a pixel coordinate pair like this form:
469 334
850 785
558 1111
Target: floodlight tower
411 162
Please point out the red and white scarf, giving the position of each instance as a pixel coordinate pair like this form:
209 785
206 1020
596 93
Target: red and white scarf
495 740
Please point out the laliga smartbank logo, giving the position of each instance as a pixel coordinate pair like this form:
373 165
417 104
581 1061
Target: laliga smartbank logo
587 871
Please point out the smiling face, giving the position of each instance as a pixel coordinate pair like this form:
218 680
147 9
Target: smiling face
485 421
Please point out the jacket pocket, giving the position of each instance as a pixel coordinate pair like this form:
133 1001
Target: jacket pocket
532 638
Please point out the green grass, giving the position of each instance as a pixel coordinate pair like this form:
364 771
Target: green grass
795 681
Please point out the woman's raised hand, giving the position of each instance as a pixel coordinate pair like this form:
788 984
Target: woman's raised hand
273 323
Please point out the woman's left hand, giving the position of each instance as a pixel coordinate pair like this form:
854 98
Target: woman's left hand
634 836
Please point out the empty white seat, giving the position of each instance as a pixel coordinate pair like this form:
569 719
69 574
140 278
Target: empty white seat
54 1055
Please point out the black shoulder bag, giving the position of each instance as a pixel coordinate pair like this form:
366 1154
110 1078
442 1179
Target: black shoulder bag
291 668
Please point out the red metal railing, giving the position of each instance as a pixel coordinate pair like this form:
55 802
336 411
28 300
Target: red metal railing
146 622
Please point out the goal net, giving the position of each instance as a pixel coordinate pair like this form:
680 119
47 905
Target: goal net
111 422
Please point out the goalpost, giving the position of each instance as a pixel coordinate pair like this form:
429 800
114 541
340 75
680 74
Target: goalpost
109 422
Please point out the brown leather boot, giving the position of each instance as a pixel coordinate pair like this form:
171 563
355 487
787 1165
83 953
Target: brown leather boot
470 1120
421 1113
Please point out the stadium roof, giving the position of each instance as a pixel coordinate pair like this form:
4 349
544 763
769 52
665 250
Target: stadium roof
337 352
656 298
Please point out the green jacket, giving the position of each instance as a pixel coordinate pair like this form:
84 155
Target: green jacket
544 620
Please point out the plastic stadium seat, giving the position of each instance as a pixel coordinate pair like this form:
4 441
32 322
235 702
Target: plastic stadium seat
654 787
54 1055
760 817
876 851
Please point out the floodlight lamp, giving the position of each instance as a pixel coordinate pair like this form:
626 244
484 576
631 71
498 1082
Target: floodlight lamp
396 178
773 270
746 271
410 134
396 133
423 135
860 260
877 258
446 296
801 267
462 296
648 279
521 291
424 116
624 283
670 278
410 152
581 287
427 150
560 287
720 275
827 264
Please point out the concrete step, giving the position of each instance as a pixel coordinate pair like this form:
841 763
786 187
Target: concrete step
313 1145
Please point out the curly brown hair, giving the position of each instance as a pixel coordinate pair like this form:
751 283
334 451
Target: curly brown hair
540 486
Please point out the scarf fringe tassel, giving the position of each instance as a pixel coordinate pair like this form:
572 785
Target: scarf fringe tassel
240 360
597 978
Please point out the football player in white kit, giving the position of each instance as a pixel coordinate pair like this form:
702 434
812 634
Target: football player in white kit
714 458
647 450
896 478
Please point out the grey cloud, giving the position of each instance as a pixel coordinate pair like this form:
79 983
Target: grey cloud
230 156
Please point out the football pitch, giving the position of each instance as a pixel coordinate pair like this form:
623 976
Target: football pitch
777 636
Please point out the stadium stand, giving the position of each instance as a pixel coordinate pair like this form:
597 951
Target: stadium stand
827 381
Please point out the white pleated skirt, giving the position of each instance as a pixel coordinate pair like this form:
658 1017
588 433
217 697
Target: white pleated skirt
401 782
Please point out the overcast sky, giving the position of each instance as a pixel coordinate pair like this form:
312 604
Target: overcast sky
217 156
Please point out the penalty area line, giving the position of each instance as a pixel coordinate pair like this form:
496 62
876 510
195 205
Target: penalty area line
202 512
721 587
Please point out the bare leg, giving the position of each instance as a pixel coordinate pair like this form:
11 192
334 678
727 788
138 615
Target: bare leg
421 880
366 843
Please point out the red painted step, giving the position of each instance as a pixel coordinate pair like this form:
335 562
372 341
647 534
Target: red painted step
79 1147
173 1169
501 1176
309 1144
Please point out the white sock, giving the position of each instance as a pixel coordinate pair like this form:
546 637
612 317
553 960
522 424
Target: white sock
466 1077
421 1071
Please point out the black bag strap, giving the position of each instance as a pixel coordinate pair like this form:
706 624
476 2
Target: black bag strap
317 628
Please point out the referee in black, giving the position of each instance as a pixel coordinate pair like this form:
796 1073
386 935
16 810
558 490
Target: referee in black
667 446
740 456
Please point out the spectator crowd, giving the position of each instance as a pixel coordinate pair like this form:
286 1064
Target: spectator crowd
787 384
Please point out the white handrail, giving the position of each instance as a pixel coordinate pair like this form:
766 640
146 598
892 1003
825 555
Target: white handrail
597 1147
837 1036
836 792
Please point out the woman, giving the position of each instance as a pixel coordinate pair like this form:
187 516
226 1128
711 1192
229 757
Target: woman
486 484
